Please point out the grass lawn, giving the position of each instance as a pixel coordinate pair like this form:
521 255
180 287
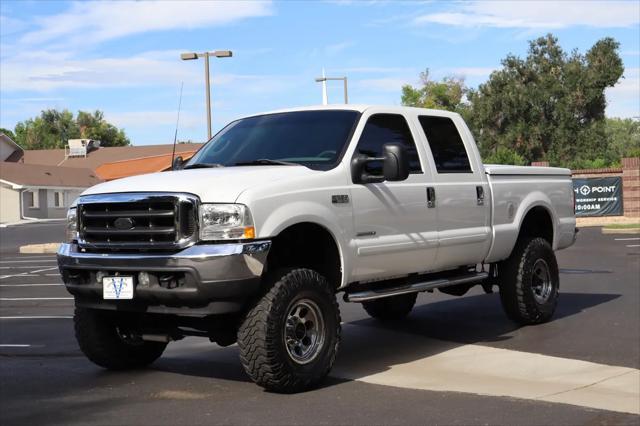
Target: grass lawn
623 226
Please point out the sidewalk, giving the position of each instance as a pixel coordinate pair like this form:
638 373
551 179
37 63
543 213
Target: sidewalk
605 220
28 221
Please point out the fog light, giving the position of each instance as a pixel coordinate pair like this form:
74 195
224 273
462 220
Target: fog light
143 279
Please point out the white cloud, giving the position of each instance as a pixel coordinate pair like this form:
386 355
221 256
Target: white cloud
154 118
623 100
42 71
333 49
386 84
472 71
538 14
375 70
93 22
9 26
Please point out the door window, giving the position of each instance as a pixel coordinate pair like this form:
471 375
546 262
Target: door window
446 144
382 129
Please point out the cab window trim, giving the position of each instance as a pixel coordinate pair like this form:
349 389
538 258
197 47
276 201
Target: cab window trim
421 163
440 171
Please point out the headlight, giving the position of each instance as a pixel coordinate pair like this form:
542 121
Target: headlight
225 222
72 225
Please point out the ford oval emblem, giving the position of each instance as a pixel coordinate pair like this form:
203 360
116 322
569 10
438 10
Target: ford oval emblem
124 223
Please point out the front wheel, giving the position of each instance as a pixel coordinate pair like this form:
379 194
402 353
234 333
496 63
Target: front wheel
288 341
107 339
529 282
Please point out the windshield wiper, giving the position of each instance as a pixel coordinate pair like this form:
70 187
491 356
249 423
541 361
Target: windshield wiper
202 166
266 162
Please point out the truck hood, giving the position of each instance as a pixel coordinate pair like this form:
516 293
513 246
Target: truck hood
222 185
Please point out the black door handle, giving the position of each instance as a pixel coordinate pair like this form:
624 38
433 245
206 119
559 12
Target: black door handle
480 195
431 197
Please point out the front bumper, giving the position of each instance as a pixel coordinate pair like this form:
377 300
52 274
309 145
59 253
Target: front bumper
201 279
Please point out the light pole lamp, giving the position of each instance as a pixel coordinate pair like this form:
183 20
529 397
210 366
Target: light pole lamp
344 79
218 54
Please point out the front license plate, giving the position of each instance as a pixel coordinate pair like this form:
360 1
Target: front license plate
117 287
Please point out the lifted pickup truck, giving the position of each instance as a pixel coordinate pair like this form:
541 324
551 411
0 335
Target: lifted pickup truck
252 239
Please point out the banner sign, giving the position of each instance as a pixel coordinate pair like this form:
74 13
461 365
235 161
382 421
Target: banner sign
598 196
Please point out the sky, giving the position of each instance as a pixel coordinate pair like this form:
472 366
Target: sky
124 57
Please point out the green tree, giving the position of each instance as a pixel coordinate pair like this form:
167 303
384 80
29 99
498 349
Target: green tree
94 126
624 138
548 106
52 129
9 133
447 94
504 155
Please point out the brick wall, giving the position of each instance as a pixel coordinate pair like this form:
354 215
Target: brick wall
631 186
630 173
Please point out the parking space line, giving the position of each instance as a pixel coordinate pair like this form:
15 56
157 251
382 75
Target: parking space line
28 261
633 245
19 275
25 267
24 274
28 299
28 257
628 239
37 317
13 345
30 285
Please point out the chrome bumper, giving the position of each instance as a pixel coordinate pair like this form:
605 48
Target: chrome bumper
208 273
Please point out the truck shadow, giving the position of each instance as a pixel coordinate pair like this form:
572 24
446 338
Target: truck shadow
370 346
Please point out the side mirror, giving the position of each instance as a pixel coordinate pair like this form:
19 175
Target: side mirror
395 165
396 162
178 162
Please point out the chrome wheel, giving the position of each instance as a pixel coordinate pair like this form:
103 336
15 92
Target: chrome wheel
541 281
304 331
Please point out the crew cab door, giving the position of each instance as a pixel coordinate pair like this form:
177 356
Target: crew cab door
395 232
459 192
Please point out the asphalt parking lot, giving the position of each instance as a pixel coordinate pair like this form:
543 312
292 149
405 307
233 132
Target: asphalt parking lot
452 361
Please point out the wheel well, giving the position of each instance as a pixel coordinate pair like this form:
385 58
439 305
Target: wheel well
537 223
307 245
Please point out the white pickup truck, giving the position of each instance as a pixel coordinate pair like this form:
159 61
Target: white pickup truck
251 239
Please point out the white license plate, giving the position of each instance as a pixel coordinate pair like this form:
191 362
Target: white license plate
117 287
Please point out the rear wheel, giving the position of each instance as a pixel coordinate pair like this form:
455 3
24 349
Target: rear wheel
529 282
391 308
288 341
109 341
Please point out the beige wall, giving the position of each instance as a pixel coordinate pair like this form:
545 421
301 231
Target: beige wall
9 204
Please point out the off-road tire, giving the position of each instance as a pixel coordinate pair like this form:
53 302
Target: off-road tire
98 336
516 278
261 337
391 308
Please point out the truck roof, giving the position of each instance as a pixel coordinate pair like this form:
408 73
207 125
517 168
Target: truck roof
361 108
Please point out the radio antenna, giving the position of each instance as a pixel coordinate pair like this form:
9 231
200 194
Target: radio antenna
175 135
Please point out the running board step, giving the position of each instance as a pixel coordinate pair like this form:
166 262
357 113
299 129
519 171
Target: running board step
366 295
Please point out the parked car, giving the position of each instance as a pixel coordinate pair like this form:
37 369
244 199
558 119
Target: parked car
256 235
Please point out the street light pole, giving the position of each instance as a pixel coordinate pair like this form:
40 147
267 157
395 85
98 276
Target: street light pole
218 54
344 80
207 86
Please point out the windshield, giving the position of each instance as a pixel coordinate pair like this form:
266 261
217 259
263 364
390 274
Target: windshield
315 139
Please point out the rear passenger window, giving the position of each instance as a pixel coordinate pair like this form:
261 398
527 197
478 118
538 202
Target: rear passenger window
382 129
446 145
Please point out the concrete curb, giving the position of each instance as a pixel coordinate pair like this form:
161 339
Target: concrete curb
29 222
47 248
621 231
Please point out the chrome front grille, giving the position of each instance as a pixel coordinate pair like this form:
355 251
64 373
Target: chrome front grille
162 221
